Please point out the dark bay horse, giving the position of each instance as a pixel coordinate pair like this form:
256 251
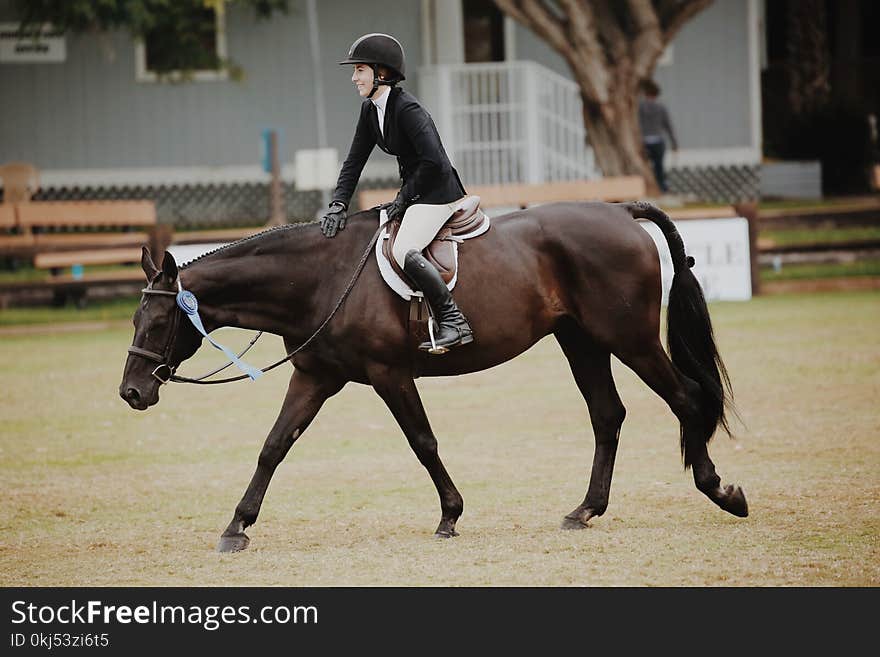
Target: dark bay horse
585 272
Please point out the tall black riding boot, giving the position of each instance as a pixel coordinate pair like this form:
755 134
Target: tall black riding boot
453 328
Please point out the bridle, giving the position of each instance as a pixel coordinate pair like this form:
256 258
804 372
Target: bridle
164 358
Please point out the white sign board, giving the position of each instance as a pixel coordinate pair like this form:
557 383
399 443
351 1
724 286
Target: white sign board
36 45
720 248
316 169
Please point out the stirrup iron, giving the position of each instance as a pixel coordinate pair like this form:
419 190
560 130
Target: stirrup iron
434 348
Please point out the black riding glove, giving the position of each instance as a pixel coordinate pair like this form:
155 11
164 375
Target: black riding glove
397 207
334 219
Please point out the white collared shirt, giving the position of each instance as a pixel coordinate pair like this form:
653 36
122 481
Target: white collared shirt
380 103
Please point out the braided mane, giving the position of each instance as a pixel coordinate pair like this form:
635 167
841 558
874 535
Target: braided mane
249 238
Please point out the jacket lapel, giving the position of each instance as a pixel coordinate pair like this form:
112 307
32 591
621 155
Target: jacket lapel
385 139
374 119
391 113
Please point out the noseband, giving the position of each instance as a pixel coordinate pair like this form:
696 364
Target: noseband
165 356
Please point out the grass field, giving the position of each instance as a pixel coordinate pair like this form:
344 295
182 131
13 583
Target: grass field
98 494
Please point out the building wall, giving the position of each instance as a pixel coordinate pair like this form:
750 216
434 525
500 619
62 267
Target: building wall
88 123
90 113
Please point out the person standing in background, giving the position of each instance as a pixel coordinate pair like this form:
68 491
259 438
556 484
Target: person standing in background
655 126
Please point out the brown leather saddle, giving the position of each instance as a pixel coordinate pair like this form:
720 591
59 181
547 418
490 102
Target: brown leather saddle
467 221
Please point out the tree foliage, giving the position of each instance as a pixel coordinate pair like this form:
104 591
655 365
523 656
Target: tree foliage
809 56
180 32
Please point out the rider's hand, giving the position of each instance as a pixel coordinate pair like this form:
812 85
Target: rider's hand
396 208
334 219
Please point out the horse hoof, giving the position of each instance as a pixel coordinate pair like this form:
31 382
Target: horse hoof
573 523
736 502
445 534
233 543
578 518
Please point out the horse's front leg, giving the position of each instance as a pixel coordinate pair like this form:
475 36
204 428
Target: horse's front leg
305 395
398 390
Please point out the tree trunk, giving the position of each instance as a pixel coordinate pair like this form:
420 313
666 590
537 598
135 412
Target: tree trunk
808 57
617 143
847 71
610 46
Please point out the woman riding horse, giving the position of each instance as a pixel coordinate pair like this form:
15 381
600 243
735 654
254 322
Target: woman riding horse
394 119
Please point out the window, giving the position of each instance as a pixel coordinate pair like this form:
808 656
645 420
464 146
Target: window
483 31
189 44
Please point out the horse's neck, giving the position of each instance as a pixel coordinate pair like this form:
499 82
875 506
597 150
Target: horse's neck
265 293
283 286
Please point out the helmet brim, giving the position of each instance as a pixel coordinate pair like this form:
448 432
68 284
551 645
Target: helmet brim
400 76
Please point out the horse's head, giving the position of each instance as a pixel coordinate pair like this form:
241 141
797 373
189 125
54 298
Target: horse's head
161 340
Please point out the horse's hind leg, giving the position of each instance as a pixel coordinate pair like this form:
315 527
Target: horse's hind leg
398 391
591 366
683 395
305 395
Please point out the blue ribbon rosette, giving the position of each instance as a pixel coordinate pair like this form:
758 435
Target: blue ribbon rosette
188 303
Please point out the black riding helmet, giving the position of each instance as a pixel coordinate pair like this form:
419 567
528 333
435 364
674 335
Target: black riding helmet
378 50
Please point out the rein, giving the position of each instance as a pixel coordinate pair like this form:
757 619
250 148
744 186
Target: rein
163 358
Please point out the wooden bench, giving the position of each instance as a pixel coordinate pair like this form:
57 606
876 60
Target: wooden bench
63 259
41 226
59 235
7 217
69 280
712 212
59 289
522 195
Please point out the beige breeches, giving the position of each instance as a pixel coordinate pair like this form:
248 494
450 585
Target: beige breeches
419 227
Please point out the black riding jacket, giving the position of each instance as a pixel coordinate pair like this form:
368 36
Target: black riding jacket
426 174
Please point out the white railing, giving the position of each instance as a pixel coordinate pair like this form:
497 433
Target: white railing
508 122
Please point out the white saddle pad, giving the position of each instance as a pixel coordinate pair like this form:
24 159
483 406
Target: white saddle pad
394 281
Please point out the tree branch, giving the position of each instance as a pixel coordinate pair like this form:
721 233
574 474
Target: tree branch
592 60
535 16
679 13
575 39
611 34
647 45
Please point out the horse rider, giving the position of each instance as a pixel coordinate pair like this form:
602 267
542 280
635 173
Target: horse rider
393 118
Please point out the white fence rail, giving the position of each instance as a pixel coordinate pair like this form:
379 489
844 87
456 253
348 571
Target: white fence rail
509 122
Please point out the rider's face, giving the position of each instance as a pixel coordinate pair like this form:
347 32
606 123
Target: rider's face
362 77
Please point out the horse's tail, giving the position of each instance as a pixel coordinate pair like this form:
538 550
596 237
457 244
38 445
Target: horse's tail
689 337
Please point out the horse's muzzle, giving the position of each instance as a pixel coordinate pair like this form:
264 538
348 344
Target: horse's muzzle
133 397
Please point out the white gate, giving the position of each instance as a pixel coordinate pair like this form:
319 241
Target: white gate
509 122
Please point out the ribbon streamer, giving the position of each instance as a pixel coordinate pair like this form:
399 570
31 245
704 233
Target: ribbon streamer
188 303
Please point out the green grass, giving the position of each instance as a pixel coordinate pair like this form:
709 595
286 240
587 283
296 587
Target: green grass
820 271
27 273
808 204
821 236
95 311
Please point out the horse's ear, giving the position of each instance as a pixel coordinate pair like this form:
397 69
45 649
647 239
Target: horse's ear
169 267
150 268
